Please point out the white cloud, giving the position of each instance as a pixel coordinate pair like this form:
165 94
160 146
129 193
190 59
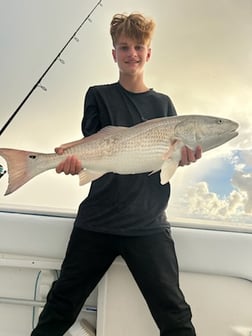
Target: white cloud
246 156
243 182
199 201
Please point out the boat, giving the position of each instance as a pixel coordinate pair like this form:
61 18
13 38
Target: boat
215 275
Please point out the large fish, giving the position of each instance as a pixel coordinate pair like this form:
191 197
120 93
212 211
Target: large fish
146 147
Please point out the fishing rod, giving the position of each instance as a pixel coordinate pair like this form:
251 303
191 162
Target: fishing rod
37 84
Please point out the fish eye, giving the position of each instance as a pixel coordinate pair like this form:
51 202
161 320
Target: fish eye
220 121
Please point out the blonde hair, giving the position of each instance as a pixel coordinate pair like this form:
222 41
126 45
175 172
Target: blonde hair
134 26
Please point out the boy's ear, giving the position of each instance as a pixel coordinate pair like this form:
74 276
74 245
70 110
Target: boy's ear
148 54
114 55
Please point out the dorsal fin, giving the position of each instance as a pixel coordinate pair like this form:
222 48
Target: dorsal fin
106 131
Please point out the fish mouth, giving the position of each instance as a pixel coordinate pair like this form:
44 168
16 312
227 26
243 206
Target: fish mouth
233 132
236 125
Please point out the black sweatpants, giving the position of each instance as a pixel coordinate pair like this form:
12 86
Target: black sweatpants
152 262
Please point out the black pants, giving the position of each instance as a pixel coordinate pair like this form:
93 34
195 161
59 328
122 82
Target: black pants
152 262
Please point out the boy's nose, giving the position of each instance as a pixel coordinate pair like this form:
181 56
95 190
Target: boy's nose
132 51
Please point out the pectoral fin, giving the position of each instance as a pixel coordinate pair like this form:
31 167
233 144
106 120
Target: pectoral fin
167 170
170 149
87 176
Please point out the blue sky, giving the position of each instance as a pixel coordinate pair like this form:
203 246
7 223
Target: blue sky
202 58
219 178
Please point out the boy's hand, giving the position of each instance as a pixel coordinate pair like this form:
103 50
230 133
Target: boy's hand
72 165
188 156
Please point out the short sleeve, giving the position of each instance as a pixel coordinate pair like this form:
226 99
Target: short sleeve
90 122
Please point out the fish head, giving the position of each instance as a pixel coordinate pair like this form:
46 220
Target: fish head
205 131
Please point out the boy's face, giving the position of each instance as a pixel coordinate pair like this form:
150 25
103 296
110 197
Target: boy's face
130 55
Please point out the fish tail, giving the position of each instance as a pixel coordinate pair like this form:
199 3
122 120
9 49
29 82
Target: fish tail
22 166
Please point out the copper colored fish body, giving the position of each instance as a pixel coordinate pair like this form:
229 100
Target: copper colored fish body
151 146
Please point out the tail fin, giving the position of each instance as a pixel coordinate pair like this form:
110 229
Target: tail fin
22 166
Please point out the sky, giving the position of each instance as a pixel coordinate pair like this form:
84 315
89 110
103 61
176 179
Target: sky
201 58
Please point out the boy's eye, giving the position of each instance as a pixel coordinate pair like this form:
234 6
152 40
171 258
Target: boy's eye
123 47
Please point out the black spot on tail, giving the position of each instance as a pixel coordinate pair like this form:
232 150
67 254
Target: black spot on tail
2 171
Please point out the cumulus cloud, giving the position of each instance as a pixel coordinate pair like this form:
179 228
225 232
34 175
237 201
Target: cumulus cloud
246 156
243 182
199 200
203 202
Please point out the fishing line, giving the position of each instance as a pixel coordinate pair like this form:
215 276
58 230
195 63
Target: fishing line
57 58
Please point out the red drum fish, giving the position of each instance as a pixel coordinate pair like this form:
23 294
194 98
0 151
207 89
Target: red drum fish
152 146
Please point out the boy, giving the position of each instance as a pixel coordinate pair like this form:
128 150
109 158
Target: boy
123 214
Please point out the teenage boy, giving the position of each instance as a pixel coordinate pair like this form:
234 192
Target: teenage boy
122 214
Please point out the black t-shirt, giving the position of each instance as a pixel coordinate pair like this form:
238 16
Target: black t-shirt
124 204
